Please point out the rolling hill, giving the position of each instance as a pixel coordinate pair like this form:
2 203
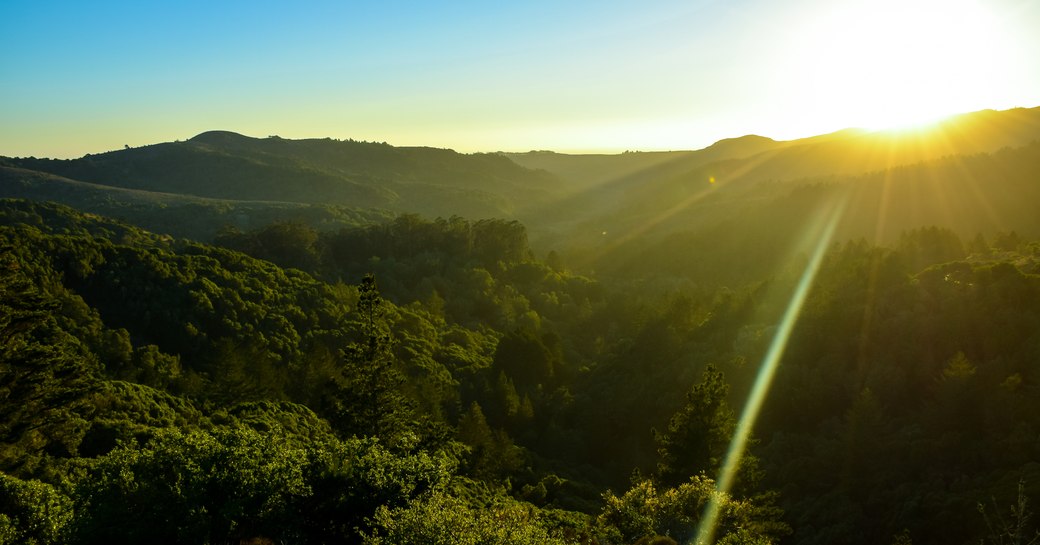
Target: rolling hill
230 166
961 174
906 394
973 173
198 218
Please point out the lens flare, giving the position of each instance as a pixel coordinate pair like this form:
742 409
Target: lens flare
824 231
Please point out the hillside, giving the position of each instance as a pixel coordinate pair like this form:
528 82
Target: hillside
229 166
657 194
584 205
716 234
175 214
850 151
406 379
591 170
974 175
475 389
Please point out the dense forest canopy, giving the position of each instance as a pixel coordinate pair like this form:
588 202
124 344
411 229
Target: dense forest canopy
202 345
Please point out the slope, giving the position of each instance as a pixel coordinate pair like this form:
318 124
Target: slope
225 165
751 232
645 187
175 214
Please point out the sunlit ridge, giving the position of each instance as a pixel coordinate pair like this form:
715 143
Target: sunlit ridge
824 231
908 123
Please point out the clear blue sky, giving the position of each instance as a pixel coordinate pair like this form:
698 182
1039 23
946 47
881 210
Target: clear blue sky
79 77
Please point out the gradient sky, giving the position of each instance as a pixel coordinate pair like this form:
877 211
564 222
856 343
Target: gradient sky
84 77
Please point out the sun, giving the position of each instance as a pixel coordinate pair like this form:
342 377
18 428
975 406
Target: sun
894 63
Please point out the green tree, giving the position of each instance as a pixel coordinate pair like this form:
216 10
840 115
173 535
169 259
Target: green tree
365 398
444 520
864 448
45 379
194 487
351 479
699 433
647 510
525 359
492 453
32 512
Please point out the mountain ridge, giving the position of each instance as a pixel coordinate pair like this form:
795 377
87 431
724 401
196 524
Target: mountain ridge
565 200
227 165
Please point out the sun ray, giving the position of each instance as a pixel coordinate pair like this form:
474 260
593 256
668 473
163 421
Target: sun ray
711 183
823 232
980 199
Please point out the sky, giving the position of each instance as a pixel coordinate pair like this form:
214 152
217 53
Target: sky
477 76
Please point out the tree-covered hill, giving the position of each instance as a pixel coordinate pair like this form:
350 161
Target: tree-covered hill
164 390
310 372
594 170
711 232
225 165
178 215
656 194
850 151
468 389
585 205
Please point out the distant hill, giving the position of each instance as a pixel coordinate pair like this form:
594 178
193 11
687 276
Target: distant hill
603 185
175 214
856 152
728 235
226 165
589 170
659 193
850 151
599 209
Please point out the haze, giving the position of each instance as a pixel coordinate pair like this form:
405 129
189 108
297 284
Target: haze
476 76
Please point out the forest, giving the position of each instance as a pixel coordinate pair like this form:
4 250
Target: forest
308 372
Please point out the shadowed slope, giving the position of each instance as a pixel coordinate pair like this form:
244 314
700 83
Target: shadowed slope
179 215
225 165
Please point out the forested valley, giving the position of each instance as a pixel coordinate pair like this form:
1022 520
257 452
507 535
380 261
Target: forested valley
374 376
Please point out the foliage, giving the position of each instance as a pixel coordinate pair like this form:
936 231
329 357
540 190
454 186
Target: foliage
646 510
32 512
1013 527
45 379
213 488
165 390
698 435
444 520
365 400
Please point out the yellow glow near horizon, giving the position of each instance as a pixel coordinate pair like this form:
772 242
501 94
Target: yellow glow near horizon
897 63
673 76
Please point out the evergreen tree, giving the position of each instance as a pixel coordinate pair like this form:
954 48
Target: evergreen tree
364 399
492 453
44 380
699 433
